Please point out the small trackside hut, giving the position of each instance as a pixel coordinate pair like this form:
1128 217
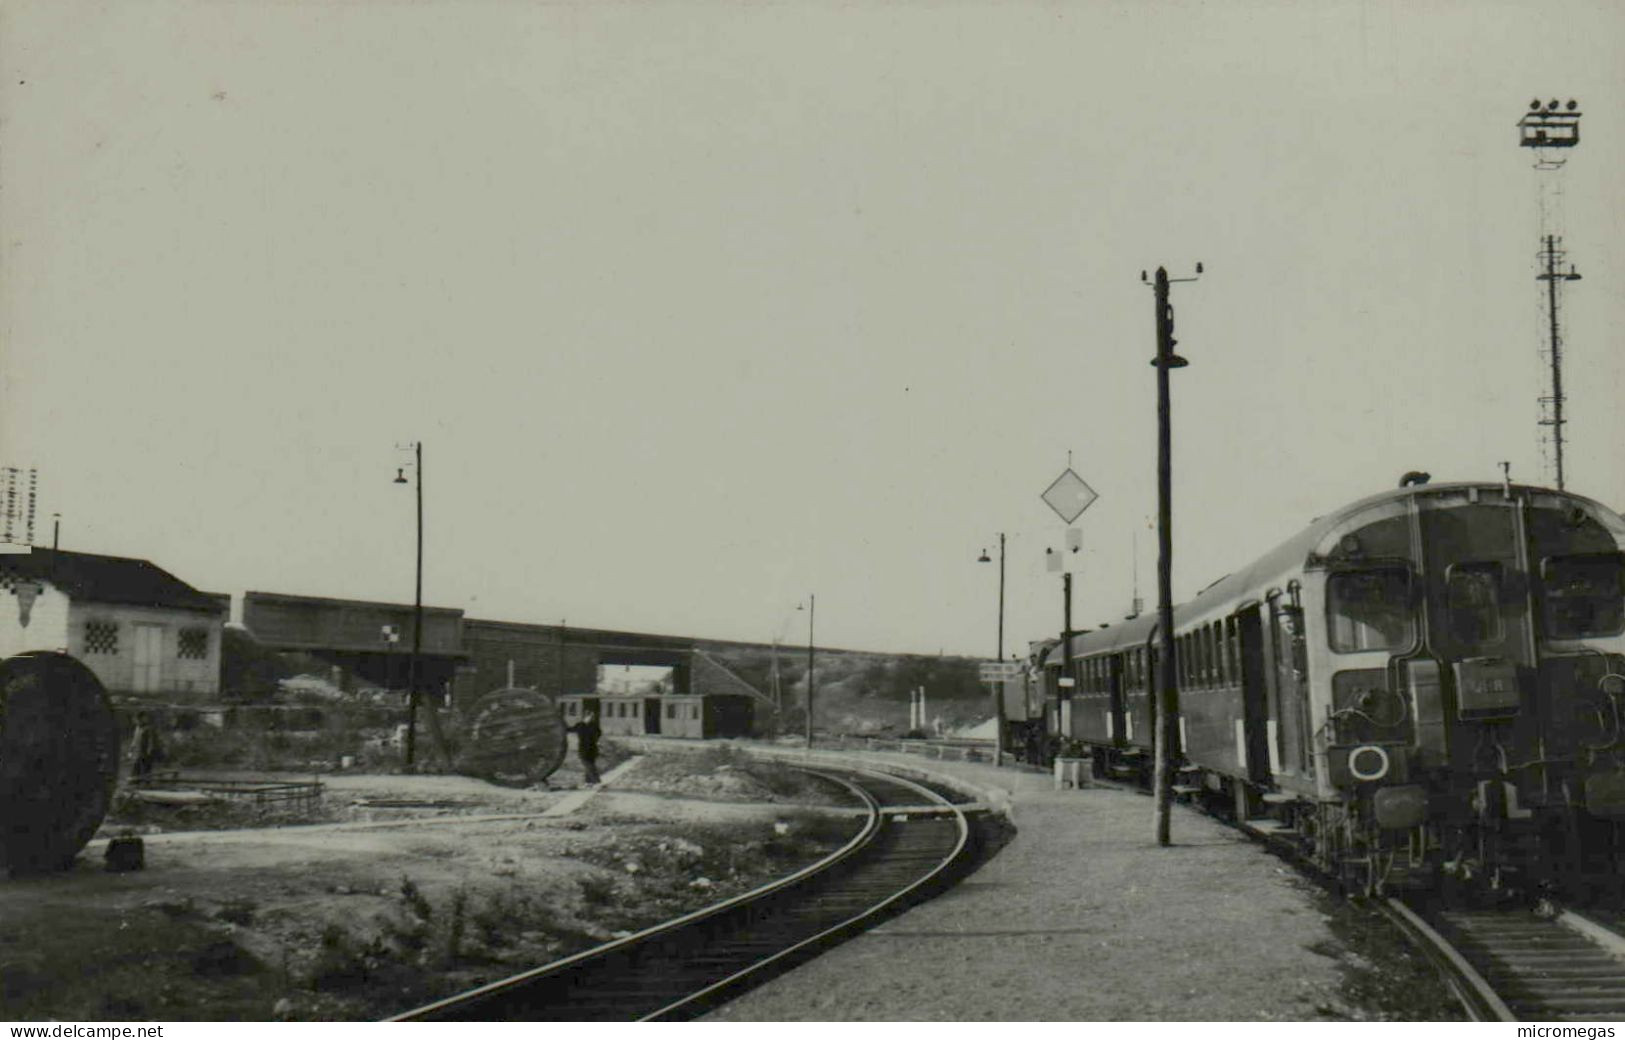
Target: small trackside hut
695 716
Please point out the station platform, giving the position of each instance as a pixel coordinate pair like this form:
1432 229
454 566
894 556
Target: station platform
1081 917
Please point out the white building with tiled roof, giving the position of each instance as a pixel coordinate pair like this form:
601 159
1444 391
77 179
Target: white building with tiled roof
142 630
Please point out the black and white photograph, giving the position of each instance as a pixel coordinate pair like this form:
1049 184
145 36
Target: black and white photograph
934 512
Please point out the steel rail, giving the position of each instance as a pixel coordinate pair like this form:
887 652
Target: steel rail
843 927
521 996
1474 992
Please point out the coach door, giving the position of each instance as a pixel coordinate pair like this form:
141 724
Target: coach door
1288 669
1258 705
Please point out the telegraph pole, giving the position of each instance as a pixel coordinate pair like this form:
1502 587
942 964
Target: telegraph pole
812 607
1063 682
1167 690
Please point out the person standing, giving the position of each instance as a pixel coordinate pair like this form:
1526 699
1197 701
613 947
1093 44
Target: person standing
144 748
587 732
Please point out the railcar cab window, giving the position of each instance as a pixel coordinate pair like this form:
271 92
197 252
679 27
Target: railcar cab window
1370 610
1473 597
1584 595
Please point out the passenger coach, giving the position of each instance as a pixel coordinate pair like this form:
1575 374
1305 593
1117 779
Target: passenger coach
1430 679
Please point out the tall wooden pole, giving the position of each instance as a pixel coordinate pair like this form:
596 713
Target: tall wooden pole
1167 691
417 628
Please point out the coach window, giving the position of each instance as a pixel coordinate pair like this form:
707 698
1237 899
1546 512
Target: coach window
1370 610
1232 662
1584 595
1473 597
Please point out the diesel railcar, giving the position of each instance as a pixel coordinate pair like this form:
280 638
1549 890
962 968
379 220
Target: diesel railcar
1423 688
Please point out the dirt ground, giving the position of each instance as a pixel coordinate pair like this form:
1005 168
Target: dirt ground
409 888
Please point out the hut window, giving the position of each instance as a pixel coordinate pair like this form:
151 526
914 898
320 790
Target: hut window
101 637
192 643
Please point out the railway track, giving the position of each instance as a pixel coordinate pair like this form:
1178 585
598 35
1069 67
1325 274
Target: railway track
1521 966
912 837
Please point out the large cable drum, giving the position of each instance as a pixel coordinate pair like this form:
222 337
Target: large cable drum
59 759
513 735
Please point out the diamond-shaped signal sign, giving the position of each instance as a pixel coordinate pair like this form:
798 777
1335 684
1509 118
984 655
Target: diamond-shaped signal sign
1069 496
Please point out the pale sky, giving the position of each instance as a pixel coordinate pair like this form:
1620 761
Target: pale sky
699 308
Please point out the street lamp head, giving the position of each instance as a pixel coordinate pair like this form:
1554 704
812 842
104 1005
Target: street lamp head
400 474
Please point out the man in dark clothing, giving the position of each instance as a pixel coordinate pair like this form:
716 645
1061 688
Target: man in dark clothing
144 747
587 732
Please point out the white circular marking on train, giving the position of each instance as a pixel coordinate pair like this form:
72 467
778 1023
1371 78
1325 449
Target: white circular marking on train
1374 772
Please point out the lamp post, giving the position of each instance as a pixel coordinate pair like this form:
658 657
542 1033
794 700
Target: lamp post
1167 692
812 607
417 613
998 699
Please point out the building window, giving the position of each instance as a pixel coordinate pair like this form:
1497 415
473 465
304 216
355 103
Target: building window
192 644
671 711
101 637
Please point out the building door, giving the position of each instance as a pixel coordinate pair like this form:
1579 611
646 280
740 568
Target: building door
149 658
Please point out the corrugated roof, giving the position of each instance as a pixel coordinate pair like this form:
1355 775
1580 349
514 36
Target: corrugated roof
92 578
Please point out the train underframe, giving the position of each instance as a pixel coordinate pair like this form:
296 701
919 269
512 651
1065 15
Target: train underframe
1475 846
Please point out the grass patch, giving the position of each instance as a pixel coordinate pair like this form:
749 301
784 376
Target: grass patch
1384 977
147 967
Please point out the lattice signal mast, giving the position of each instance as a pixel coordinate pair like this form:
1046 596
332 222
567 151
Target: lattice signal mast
1552 129
19 489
